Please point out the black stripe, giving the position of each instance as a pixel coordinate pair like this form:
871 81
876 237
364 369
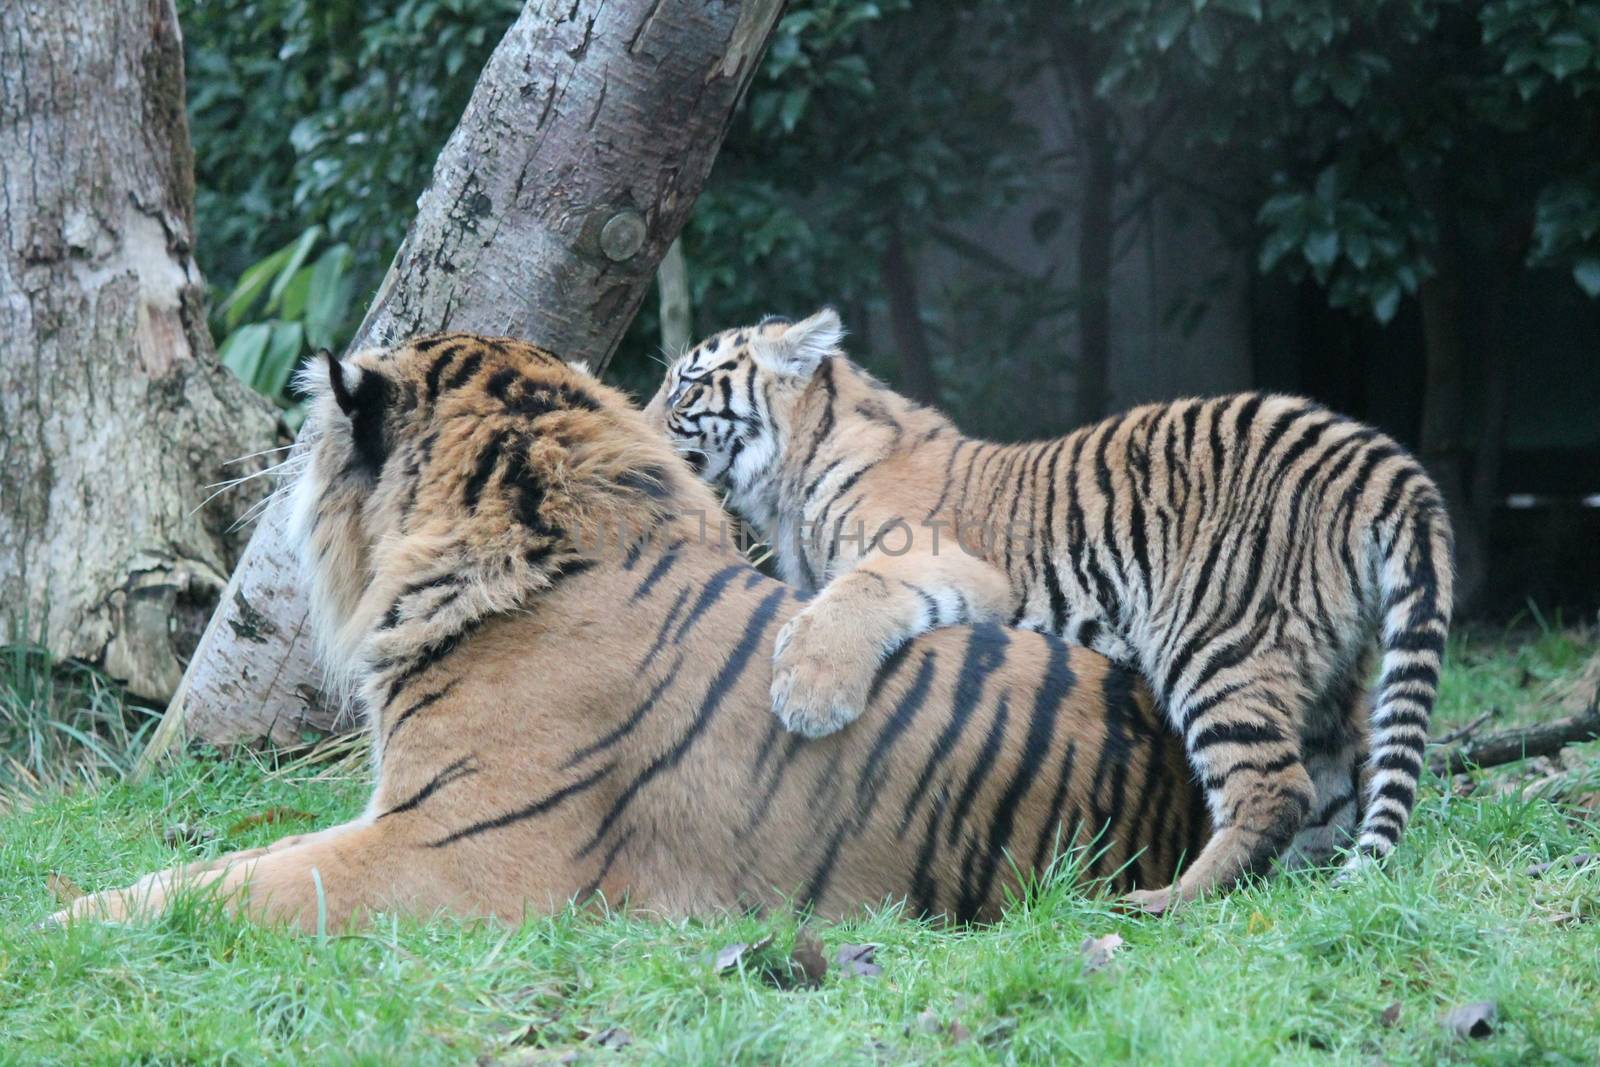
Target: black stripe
979 775
468 368
659 571
721 686
538 807
434 371
431 698
1054 814
488 460
924 889
629 724
666 624
1057 683
605 865
461 768
1111 770
715 586
985 653
1237 733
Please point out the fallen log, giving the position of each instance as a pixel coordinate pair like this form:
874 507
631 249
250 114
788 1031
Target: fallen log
1508 746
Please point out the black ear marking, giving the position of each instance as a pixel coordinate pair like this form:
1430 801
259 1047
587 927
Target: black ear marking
341 392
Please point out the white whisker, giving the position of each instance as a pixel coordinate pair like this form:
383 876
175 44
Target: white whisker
253 455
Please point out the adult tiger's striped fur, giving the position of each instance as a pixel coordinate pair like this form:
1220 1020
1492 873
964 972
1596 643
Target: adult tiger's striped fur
1248 554
567 688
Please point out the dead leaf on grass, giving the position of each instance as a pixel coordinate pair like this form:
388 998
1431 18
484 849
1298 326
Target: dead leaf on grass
187 835
270 817
857 961
64 889
954 1031
612 1037
1475 1020
730 956
807 959
1097 952
1390 1015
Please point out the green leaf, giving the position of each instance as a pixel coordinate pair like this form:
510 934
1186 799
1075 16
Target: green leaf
1278 244
242 351
1359 249
1321 248
793 107
278 362
292 304
252 283
1586 272
1169 24
298 251
328 296
1250 9
1386 303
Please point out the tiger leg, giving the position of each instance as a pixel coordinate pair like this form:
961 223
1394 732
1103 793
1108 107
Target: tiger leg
1333 742
826 657
1240 734
339 875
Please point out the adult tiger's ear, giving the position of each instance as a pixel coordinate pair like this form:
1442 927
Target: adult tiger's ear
802 346
343 394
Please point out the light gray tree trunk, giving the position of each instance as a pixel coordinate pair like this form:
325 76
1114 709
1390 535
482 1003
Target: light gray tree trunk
677 302
114 413
582 150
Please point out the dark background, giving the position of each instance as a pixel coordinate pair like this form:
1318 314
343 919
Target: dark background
1034 213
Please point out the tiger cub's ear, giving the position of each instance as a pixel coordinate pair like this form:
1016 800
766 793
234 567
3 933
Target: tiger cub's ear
802 346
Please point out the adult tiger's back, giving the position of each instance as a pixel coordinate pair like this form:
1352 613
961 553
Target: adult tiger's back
566 683
1248 553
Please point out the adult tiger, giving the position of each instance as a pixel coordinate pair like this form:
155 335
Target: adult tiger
566 683
1248 554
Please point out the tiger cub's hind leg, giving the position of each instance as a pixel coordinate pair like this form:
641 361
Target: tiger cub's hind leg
1238 724
1333 743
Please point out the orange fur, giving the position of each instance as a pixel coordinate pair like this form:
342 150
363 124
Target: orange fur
566 686
1249 555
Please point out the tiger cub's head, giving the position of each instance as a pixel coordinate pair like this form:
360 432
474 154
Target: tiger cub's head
454 476
728 403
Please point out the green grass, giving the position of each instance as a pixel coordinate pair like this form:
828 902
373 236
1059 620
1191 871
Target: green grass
1294 969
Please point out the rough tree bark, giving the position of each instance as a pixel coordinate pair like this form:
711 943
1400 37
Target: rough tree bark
114 413
577 160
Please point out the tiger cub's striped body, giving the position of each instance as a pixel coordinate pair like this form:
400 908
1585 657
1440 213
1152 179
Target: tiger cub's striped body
567 685
1249 554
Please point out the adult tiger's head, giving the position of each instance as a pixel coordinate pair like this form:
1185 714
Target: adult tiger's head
728 404
455 476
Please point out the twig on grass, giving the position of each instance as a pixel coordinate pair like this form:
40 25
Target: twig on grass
1463 732
1508 746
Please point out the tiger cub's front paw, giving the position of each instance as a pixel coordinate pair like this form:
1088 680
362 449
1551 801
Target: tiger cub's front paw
819 682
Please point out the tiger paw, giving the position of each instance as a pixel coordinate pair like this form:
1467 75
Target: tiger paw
819 684
1151 901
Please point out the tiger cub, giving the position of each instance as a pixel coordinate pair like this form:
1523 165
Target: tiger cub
1249 554
566 684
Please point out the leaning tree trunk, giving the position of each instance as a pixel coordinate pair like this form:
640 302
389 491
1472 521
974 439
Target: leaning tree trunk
114 412
583 148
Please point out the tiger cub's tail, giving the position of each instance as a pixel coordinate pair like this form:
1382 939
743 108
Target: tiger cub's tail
1414 577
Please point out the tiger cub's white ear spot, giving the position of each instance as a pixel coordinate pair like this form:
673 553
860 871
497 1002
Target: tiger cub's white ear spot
802 346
